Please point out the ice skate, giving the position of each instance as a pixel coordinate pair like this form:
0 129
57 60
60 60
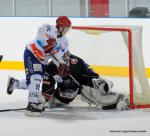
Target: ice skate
33 110
10 85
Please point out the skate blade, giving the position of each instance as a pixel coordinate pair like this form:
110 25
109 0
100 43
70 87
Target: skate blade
32 114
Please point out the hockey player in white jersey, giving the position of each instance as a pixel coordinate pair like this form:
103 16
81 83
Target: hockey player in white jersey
50 41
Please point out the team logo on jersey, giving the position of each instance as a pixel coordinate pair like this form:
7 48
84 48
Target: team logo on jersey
74 61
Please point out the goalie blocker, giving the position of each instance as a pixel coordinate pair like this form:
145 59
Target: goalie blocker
85 82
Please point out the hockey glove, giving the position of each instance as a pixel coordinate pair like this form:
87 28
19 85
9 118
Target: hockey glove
50 45
63 70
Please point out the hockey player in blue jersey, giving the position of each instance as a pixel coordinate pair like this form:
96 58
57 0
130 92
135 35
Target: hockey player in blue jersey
50 41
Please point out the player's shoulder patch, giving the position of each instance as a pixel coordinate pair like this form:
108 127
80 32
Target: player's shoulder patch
74 61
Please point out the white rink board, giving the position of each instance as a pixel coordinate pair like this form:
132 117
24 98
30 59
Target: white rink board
16 32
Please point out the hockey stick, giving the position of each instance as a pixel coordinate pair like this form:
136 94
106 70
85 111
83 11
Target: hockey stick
15 109
1 57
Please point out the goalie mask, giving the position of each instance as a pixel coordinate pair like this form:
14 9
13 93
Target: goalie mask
104 86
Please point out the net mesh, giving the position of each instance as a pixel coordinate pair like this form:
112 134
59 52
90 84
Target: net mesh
107 51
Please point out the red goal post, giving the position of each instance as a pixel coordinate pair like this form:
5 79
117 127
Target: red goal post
137 99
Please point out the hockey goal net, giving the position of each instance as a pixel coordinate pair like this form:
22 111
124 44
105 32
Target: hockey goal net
115 52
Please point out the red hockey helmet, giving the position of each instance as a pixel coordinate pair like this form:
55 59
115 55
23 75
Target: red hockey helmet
63 21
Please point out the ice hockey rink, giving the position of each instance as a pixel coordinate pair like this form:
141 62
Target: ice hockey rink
74 120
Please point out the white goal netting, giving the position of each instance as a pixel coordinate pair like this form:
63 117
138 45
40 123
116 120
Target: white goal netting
115 52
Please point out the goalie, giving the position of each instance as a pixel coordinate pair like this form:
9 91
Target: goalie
80 80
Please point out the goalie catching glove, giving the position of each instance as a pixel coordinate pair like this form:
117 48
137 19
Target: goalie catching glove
101 95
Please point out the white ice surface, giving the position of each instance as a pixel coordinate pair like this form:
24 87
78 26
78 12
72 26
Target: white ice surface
76 120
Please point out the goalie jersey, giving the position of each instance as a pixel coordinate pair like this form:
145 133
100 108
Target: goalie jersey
80 74
80 70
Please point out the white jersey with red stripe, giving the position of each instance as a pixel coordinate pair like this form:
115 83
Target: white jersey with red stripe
60 48
45 32
37 46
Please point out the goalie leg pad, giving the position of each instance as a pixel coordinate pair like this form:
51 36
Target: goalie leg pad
87 95
96 97
104 86
123 102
